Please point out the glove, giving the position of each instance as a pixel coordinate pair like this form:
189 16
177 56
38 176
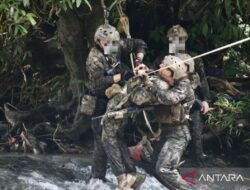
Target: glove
138 61
122 81
109 72
125 76
128 75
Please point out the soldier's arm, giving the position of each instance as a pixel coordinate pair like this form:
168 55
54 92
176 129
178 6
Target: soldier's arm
170 96
98 76
204 88
134 45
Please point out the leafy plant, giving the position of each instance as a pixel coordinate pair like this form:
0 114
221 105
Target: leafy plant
226 114
236 65
216 21
158 34
17 17
58 85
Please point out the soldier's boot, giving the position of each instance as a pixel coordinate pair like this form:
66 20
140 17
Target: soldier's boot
125 181
131 180
180 184
200 157
140 178
173 180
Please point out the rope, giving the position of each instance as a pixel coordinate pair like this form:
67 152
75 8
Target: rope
103 4
110 7
155 135
125 24
107 10
208 53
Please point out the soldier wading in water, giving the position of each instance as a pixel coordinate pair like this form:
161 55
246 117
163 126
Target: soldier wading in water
172 114
104 69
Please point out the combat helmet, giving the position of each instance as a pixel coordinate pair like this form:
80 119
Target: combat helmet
106 32
190 62
176 65
177 31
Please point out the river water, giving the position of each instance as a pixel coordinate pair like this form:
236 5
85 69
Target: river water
72 172
56 172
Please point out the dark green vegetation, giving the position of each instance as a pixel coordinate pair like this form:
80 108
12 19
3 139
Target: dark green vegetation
44 45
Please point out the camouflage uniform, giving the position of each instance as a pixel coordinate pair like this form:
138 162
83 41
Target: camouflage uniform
113 127
100 70
117 151
172 116
178 36
176 102
172 106
201 88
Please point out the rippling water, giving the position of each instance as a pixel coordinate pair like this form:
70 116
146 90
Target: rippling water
57 172
72 172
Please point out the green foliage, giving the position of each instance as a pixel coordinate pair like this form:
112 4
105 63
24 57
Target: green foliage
58 85
236 65
13 53
15 19
20 21
158 35
226 114
15 22
18 18
247 142
65 4
215 21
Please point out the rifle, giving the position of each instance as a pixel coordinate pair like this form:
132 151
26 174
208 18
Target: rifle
120 113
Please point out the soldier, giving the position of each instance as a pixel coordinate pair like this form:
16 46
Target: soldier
172 115
178 36
104 69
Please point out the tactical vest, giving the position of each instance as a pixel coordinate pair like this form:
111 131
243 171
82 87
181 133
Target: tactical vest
109 64
175 114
